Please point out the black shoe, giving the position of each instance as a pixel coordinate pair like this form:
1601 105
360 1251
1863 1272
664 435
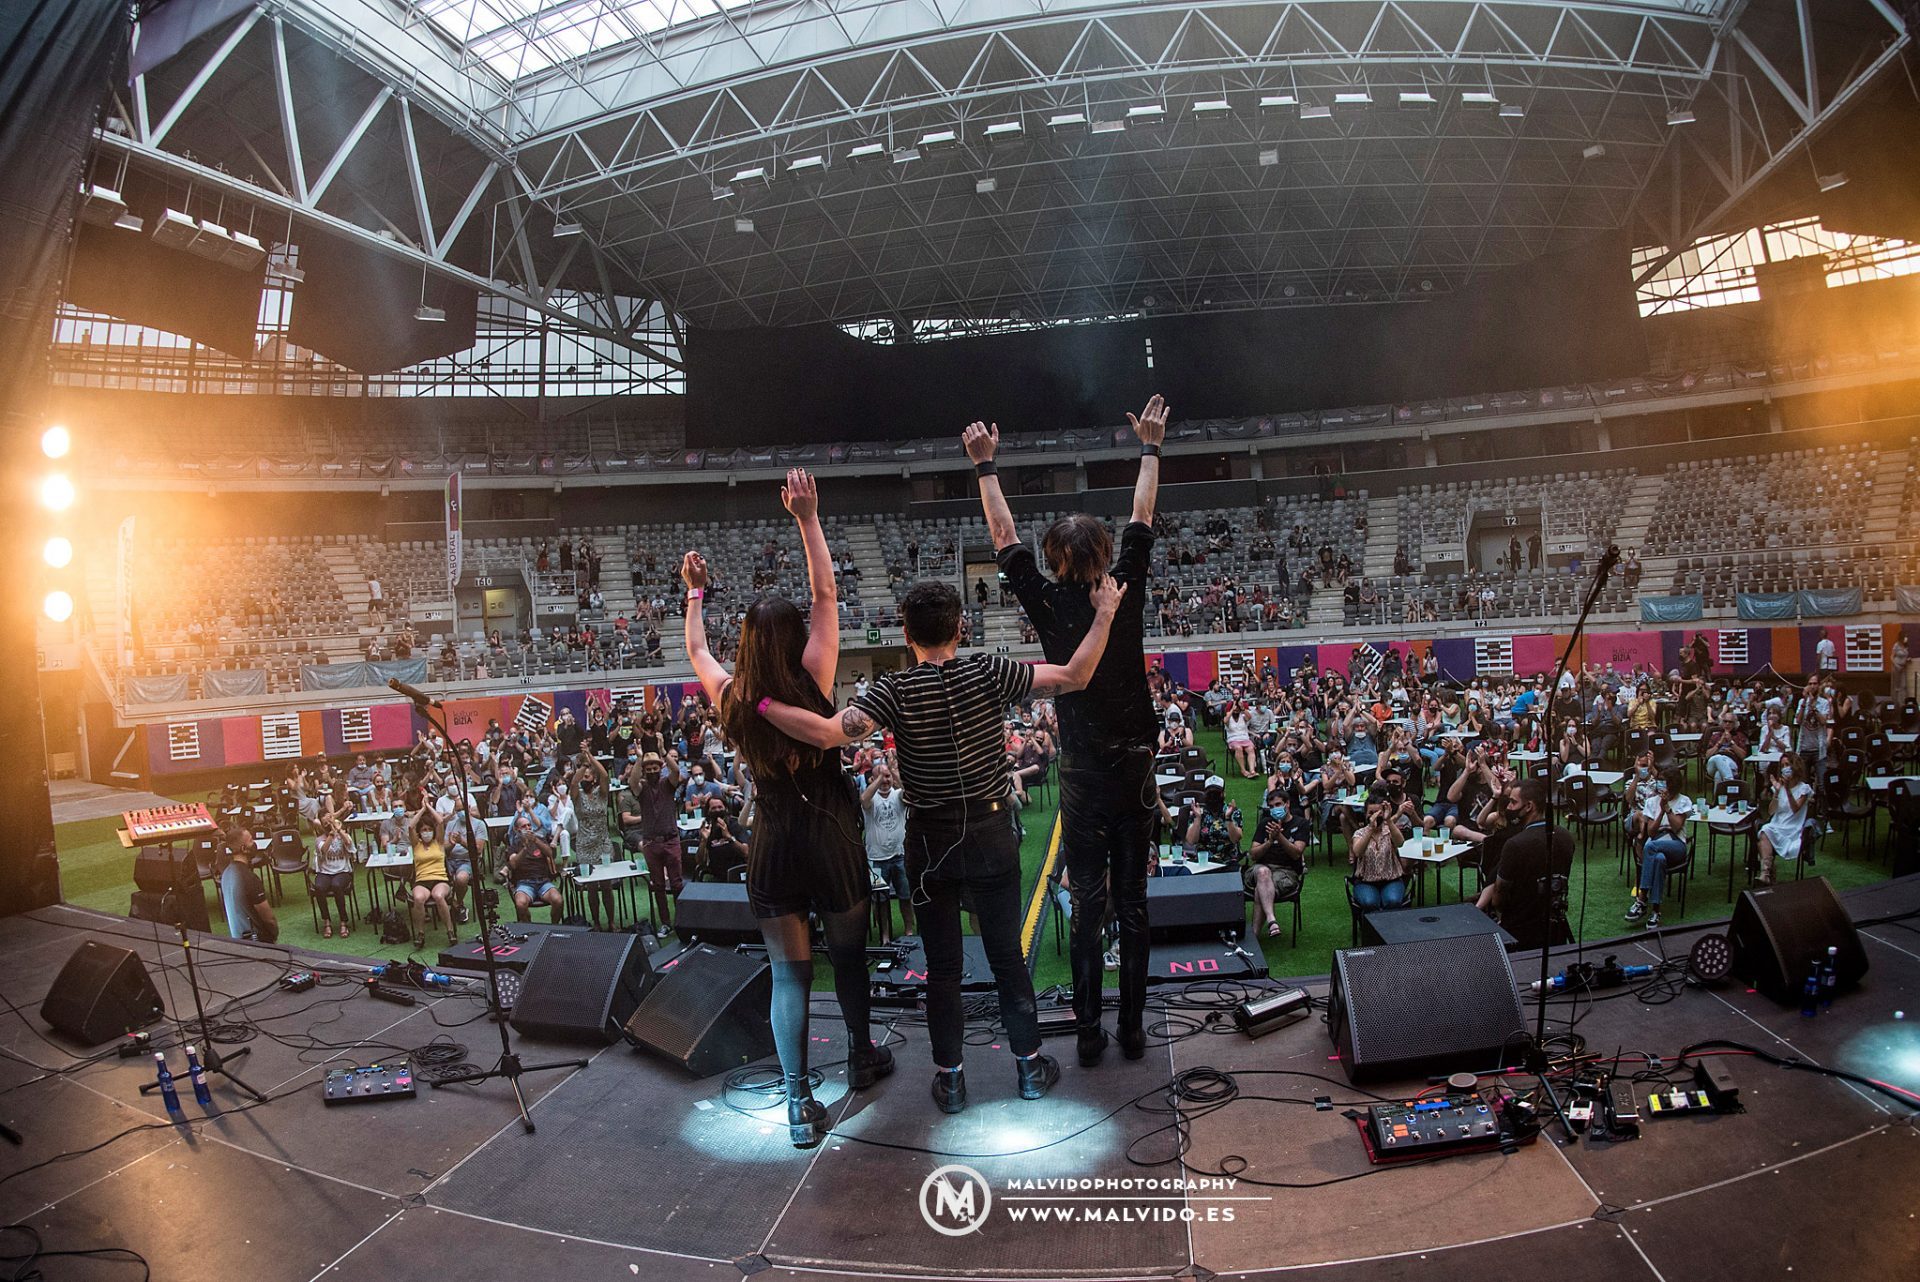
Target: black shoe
1093 1044
865 1067
1037 1073
950 1089
806 1120
1133 1041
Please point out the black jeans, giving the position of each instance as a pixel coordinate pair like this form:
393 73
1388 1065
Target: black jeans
975 852
1106 830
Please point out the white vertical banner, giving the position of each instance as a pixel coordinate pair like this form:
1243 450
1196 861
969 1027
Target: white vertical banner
453 532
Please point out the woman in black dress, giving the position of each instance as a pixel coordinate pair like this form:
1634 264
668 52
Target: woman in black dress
807 853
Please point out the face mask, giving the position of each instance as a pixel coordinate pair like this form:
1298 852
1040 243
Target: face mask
1286 767
1279 813
1787 773
1515 816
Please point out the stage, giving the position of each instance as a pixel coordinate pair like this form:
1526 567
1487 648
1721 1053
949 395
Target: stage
639 1170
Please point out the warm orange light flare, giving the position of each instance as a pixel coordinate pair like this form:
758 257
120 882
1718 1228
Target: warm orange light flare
58 605
58 552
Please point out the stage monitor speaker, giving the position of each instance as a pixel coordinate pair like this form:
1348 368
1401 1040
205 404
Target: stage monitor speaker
102 993
162 868
582 987
1423 1007
1779 931
708 1013
1198 906
181 906
715 912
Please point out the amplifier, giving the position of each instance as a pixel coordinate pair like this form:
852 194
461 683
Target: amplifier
514 946
904 982
1200 906
1178 963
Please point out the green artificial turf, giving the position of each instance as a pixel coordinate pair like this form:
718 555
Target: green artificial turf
97 872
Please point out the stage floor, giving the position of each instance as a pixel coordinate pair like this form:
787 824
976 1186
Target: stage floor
638 1170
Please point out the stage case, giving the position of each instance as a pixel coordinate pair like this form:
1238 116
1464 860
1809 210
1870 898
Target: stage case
640 1170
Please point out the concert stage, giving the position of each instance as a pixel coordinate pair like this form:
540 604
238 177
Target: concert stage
639 1170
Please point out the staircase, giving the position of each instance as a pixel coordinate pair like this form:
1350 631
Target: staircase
616 583
1383 536
344 564
1883 512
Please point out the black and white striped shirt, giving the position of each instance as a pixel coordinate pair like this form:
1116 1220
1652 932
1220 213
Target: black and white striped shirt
948 725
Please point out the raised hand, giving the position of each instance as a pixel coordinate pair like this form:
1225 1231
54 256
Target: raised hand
1151 426
799 494
981 441
1106 595
693 568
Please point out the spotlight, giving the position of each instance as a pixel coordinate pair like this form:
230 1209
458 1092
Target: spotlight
1107 127
1593 151
939 139
985 186
1353 98
1479 98
1680 116
906 155
743 225
720 191
1211 108
868 153
756 174
101 206
1831 182
1279 102
1146 114
58 605
1511 111
804 165
1269 157
565 229
176 230
1003 129
56 492
1316 113
1416 100
55 442
432 315
58 552
242 250
1067 120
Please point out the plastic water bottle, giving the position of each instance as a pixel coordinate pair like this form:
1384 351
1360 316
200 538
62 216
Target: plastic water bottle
198 1075
1810 993
1829 976
170 1096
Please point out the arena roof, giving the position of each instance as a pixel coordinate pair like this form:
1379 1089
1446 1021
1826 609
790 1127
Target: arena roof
778 162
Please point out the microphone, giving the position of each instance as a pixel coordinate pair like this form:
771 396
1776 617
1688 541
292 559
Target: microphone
1608 559
419 697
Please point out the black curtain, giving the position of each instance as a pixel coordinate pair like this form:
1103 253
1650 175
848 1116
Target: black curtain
356 307
58 60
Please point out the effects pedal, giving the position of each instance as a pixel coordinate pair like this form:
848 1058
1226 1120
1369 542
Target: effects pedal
1674 1102
366 1085
1427 1127
1622 1111
298 982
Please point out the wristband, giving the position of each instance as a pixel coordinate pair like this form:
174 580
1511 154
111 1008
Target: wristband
985 469
696 594
762 706
1146 450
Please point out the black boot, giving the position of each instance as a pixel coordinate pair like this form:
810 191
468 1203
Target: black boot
806 1120
867 1066
1037 1073
1093 1044
950 1089
1133 1041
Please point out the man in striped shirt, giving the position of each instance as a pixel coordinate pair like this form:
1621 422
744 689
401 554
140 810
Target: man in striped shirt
946 716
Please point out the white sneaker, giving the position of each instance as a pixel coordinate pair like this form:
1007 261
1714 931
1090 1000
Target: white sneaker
1112 959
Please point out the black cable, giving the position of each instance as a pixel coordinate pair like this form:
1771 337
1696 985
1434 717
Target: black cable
29 1260
1905 1098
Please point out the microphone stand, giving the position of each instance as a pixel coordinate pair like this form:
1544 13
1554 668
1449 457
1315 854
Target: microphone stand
1552 886
485 901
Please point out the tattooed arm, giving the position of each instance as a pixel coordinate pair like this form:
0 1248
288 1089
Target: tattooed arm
850 725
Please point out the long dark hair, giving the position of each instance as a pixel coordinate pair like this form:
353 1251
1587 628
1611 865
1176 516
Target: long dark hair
773 639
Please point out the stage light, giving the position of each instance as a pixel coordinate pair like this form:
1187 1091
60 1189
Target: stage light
868 153
58 606
905 155
1316 113
565 229
431 315
939 139
755 174
1107 127
1279 102
242 250
278 269
1269 156
1593 151
58 552
743 225
1831 182
55 442
101 206
720 191
1151 113
56 492
804 165
1680 116
1479 98
985 186
1511 111
1353 98
1211 108
1002 130
176 230
1416 100
1067 120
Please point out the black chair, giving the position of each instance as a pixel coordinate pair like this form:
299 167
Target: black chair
1681 868
1294 899
1586 810
1726 795
1841 806
1665 757
286 856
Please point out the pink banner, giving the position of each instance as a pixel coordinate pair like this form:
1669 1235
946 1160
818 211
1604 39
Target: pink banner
1535 654
1621 651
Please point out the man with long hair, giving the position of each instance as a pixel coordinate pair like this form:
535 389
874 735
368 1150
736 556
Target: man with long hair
945 713
1107 732
806 854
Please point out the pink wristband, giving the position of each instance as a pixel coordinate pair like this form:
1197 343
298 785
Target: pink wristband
762 706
